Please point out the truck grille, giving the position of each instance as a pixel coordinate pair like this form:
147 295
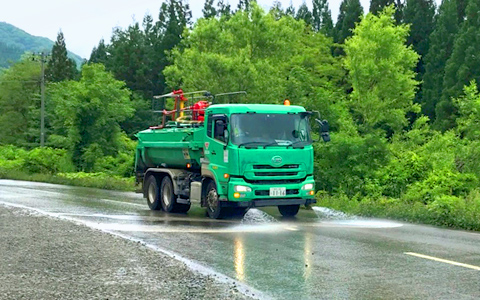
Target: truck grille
274 168
267 192
276 173
273 182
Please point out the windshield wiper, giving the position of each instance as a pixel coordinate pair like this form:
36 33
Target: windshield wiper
299 142
250 143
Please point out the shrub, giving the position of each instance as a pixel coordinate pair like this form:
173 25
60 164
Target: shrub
49 161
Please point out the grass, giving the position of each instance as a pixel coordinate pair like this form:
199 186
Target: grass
93 180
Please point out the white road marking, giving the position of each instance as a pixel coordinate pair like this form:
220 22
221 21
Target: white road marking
451 262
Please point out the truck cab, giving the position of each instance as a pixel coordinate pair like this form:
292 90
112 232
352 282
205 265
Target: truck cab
257 155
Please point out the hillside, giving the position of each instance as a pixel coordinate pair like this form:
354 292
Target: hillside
14 42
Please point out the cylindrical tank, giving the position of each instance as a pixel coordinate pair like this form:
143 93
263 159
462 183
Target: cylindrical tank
178 148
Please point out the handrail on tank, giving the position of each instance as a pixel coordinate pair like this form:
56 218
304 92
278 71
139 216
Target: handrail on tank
227 94
179 107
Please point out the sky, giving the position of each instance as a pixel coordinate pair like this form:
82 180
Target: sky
85 22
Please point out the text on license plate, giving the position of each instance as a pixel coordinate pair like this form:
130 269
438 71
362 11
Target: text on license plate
278 192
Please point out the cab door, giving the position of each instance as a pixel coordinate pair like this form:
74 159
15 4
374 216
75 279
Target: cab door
216 151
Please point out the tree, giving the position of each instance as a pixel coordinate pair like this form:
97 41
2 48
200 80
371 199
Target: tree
244 5
271 59
350 13
90 110
462 67
304 14
468 106
440 49
290 11
224 9
377 6
209 10
20 103
420 14
60 67
99 53
322 18
276 10
380 68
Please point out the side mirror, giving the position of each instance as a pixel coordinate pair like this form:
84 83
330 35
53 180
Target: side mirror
323 128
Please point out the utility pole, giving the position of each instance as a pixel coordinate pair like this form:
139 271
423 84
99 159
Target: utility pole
42 109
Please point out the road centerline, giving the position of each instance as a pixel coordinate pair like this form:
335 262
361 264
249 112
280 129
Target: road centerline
451 262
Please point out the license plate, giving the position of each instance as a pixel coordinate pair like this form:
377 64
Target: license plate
278 192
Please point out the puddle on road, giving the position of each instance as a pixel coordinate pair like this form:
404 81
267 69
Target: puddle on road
334 218
184 229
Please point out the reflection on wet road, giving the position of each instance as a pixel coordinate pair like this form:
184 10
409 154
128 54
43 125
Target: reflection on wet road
321 254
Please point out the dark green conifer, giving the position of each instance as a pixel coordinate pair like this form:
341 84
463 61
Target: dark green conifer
462 67
209 10
305 14
99 53
59 66
224 9
322 17
440 49
350 13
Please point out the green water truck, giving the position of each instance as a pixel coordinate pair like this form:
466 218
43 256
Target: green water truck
228 158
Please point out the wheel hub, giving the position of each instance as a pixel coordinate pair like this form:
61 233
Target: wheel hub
212 199
151 193
166 195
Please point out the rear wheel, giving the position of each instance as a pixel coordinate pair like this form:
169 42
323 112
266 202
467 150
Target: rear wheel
153 193
168 199
289 210
214 208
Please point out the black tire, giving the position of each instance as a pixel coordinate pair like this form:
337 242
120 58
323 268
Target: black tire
214 207
168 199
152 193
289 210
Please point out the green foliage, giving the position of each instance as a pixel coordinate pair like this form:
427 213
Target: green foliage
59 66
381 73
322 17
20 103
377 6
351 12
349 163
468 107
38 160
252 51
420 15
440 49
209 10
462 67
48 161
90 110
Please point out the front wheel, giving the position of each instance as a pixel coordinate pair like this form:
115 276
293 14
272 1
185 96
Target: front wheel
153 193
289 210
214 208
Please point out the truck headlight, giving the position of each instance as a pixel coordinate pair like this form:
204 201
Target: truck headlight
308 186
242 188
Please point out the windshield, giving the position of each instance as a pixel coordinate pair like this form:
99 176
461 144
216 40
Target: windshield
270 129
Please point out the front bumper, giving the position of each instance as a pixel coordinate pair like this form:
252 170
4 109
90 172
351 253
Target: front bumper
263 203
258 193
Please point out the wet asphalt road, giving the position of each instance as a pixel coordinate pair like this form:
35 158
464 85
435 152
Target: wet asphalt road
319 255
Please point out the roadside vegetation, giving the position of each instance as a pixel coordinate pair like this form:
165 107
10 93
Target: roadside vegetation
403 113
